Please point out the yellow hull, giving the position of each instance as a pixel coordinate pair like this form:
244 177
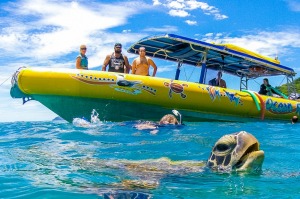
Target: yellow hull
74 93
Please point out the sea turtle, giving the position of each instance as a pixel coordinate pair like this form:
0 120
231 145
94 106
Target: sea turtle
234 152
239 152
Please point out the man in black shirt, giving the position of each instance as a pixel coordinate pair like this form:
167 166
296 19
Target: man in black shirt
117 62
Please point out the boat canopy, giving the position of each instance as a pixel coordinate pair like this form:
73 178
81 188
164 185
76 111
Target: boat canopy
229 58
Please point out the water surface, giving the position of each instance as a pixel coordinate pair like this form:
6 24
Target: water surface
62 160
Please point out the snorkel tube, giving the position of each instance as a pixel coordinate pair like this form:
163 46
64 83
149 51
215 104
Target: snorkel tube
176 113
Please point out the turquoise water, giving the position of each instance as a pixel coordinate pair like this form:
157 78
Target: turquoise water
62 160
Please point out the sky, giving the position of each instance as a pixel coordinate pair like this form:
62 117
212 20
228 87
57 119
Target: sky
48 33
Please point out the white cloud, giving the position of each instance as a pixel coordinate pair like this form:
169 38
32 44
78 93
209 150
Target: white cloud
181 8
126 31
47 33
48 29
209 34
220 17
156 2
294 5
191 22
176 5
178 13
266 43
162 29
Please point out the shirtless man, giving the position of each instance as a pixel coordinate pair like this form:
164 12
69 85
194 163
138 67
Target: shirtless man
141 64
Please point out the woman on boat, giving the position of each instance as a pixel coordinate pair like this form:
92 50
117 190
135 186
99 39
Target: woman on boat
267 89
81 59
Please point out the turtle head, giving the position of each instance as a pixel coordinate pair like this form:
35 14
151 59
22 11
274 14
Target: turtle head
236 152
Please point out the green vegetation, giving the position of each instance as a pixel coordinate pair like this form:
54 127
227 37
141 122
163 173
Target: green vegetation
283 88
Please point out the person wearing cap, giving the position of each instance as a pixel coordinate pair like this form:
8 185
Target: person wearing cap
218 81
81 59
117 62
141 64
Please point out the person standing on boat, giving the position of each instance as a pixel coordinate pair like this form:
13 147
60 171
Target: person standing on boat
266 88
141 64
218 81
117 62
81 59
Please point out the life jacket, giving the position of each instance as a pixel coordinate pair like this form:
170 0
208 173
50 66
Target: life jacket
84 61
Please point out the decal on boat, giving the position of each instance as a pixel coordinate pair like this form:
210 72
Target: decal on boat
132 91
135 89
215 92
90 79
117 82
176 88
147 89
233 98
131 87
279 107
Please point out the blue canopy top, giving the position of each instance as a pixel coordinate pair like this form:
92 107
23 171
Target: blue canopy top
228 58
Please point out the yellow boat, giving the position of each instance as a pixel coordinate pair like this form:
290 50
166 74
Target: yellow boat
72 93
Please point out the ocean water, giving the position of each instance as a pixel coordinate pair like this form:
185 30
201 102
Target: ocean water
83 160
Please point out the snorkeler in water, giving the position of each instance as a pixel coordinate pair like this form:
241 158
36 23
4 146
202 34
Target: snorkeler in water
168 119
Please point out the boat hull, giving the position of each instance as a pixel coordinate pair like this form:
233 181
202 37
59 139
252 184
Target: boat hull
72 93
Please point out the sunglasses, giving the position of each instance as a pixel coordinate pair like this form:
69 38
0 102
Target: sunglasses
83 48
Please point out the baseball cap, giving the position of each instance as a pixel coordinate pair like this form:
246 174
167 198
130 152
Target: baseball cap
118 45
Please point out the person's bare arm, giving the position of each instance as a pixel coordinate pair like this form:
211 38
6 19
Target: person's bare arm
151 62
127 65
78 61
105 63
133 69
225 86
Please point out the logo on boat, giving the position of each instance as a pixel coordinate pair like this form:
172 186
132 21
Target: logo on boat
280 107
176 88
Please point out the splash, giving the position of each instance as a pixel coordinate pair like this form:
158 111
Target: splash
94 117
83 122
